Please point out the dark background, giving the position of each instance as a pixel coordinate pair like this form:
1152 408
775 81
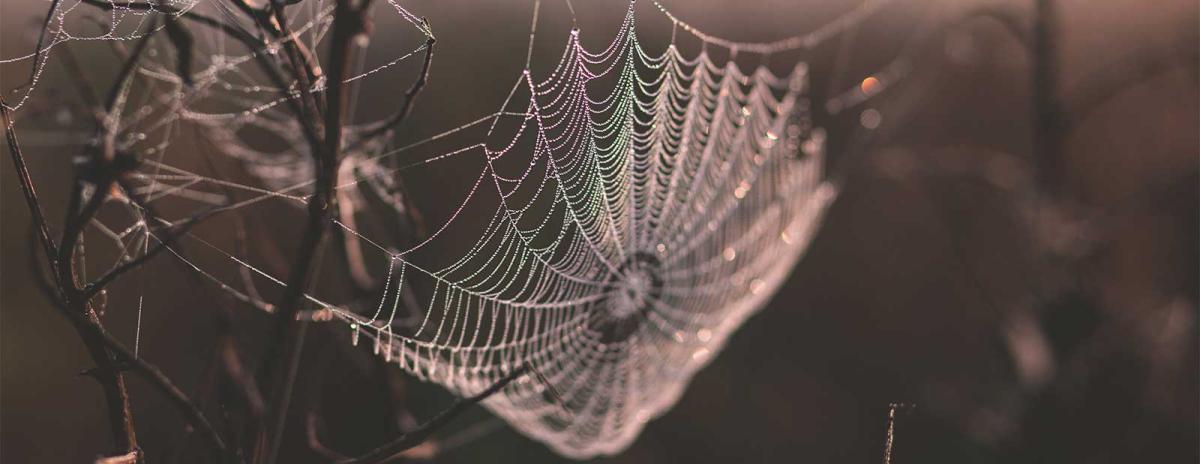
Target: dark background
1019 327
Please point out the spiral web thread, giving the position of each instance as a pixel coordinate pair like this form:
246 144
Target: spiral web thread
636 208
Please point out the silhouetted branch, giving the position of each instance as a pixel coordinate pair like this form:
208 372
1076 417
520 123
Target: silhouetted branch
164 243
288 334
1047 110
411 439
31 199
101 168
153 375
410 96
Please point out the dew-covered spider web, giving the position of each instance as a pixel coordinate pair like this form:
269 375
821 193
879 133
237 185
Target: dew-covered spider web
623 215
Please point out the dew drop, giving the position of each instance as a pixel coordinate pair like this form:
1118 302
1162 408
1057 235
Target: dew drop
757 286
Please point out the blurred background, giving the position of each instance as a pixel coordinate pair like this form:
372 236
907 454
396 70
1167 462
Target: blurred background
1019 316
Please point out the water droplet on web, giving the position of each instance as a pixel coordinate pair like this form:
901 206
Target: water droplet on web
742 189
756 286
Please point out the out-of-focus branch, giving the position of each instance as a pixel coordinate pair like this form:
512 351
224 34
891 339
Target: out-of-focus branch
1047 110
311 424
1102 86
101 168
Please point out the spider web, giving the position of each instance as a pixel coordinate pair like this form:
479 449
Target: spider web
629 210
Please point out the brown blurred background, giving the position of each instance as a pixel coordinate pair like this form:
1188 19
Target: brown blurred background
1024 327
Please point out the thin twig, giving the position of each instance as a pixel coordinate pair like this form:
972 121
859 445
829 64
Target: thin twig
164 243
422 433
410 96
27 189
182 40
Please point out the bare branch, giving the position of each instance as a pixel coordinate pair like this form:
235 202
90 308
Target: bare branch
288 334
411 439
27 189
164 243
153 375
410 96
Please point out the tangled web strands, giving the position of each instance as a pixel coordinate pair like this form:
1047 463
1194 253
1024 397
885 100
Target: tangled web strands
638 207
